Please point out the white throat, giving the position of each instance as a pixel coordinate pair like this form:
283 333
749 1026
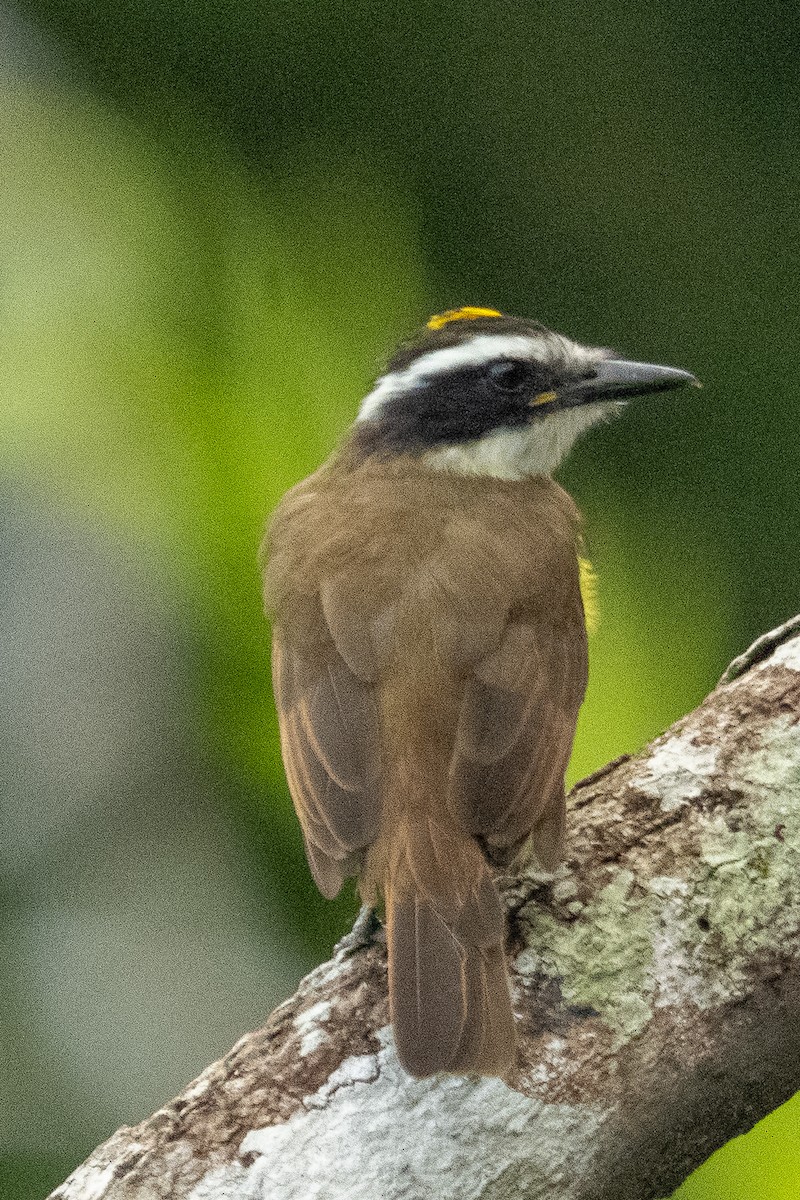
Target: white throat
535 449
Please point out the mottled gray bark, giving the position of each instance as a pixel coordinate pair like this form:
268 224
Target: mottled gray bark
656 981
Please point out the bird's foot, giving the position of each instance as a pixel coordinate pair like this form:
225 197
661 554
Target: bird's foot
362 934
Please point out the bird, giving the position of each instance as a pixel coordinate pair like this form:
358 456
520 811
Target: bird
430 654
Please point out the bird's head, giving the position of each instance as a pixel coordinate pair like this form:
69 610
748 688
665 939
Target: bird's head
481 393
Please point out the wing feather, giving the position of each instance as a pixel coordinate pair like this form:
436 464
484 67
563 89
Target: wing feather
515 732
329 727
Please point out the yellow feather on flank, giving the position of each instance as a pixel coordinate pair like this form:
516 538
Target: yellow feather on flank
588 584
460 314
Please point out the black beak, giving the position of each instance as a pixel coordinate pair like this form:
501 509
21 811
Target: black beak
615 379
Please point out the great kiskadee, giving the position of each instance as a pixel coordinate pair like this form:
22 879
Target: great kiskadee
429 654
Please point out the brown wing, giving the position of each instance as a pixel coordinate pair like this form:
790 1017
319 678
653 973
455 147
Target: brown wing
328 721
515 734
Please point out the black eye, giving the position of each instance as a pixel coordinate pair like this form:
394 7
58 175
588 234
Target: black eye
508 376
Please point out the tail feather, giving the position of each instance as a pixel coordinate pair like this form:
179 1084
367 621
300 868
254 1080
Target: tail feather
448 986
488 1039
425 991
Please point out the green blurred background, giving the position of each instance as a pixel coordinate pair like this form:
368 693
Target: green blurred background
216 219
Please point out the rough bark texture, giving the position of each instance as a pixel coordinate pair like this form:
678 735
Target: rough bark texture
657 986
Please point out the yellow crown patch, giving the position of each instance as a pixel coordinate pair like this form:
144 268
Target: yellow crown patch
460 314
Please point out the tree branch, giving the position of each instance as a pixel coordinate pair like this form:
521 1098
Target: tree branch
656 981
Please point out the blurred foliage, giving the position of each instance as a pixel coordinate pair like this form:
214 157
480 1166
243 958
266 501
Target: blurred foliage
218 218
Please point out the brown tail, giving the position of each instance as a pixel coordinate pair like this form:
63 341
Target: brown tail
448 987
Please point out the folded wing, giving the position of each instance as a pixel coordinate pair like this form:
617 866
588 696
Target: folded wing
328 717
515 733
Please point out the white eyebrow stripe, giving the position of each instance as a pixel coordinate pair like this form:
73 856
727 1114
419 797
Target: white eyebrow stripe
483 348
474 353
